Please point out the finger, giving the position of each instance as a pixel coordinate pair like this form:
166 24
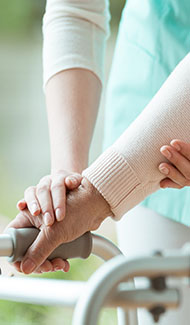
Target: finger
180 162
167 183
58 264
25 220
47 266
73 181
45 200
67 267
173 174
20 221
17 266
39 251
182 147
58 192
21 205
54 265
32 201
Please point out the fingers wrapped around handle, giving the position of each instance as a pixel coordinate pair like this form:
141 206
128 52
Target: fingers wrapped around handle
22 239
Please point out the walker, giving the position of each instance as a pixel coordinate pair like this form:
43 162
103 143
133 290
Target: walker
111 285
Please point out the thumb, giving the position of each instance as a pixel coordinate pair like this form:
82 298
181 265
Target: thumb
73 181
21 205
39 251
20 221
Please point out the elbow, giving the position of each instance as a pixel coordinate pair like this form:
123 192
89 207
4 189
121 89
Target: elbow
95 12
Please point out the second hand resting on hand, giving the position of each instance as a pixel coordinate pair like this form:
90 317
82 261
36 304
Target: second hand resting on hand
85 211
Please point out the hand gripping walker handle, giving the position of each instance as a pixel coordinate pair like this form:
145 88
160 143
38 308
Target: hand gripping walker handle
22 238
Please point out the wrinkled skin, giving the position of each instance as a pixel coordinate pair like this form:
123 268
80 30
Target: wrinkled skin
85 210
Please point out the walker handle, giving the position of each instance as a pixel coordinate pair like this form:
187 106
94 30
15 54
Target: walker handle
22 239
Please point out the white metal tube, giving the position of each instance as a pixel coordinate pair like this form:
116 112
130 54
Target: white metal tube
41 291
143 298
123 317
104 248
50 292
127 318
122 269
6 245
67 293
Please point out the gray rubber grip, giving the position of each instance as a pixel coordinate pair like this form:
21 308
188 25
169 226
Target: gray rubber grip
24 237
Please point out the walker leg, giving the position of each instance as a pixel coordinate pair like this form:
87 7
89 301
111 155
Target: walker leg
126 317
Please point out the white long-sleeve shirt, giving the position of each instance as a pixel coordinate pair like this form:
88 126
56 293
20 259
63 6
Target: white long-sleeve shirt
75 33
74 36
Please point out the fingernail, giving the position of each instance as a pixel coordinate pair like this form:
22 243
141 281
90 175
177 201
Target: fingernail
175 145
59 214
166 153
67 267
28 266
164 170
73 180
47 219
34 208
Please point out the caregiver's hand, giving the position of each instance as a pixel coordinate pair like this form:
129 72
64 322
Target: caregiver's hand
85 210
49 196
177 172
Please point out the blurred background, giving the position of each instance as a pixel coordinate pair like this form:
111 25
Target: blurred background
24 155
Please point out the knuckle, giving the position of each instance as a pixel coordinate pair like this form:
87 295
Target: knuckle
66 237
44 208
61 173
57 185
77 176
37 254
29 189
175 160
59 177
52 239
33 201
42 188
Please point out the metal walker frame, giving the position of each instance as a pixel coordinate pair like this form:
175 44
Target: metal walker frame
110 285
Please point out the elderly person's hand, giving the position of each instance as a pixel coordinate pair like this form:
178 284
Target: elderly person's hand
177 172
48 197
85 210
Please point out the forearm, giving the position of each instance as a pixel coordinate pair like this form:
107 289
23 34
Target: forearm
72 98
128 171
74 34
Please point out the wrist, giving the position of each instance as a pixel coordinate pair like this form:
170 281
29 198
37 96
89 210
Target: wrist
73 165
68 168
63 171
97 200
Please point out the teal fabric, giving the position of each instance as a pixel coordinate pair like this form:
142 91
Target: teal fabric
154 35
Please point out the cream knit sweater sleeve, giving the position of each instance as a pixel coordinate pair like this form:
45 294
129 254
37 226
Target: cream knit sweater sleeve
74 33
128 171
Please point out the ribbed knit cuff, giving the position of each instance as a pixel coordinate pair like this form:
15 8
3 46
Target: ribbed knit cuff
112 176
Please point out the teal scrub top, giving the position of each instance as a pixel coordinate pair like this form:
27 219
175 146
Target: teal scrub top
154 35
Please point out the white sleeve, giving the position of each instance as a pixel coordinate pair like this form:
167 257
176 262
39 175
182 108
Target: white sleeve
127 172
74 33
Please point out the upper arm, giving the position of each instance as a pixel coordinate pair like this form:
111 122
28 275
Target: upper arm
75 33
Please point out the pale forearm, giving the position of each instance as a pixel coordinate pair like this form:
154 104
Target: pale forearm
72 98
74 35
